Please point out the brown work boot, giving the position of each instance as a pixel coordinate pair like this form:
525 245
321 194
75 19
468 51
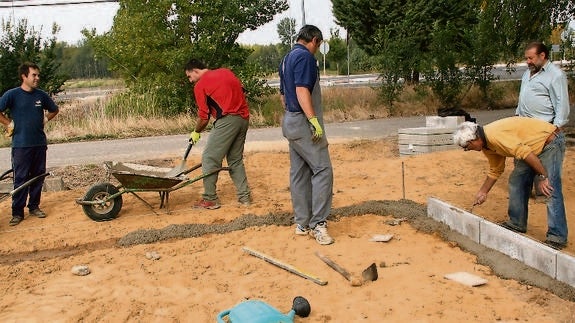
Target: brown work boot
38 213
15 220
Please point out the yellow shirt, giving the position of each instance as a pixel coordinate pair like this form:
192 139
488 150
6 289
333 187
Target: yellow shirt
513 137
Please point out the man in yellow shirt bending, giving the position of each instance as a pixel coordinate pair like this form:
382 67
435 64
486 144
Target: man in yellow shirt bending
538 150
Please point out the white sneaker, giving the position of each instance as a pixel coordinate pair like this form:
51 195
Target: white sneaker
320 234
301 231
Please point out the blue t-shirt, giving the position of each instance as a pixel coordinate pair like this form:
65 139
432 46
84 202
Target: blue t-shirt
298 68
27 112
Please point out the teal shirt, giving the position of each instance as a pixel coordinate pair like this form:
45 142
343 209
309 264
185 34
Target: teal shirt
544 95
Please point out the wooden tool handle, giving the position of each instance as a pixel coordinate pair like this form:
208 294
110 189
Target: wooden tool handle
333 265
287 267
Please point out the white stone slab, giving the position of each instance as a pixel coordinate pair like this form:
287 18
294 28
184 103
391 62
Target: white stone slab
457 219
466 278
444 122
566 268
517 246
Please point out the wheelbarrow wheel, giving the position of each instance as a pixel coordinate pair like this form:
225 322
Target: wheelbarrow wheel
107 209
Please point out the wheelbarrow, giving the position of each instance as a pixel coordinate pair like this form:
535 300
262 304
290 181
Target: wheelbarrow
6 184
103 201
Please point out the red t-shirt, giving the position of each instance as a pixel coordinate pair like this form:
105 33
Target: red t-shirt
218 93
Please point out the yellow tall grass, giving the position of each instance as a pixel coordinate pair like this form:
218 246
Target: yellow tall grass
90 118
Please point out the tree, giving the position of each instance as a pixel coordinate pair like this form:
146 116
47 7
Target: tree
19 44
337 49
150 42
267 56
439 36
287 34
80 61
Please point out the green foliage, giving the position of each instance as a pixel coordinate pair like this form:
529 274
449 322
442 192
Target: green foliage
514 23
18 44
80 61
434 38
151 41
337 50
268 57
287 34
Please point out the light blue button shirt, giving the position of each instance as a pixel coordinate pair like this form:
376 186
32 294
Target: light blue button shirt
544 95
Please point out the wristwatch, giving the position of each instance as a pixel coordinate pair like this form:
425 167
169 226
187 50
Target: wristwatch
542 177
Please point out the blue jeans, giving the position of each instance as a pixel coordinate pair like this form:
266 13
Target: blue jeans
521 182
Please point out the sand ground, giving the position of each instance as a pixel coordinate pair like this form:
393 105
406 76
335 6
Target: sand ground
202 268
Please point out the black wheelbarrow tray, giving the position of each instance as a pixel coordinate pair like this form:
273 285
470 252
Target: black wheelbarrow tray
103 201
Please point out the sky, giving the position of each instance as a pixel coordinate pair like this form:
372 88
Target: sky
73 18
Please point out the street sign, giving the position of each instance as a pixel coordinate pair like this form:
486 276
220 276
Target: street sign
324 47
555 48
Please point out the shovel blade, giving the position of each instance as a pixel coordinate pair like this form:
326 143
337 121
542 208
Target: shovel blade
174 172
178 170
370 273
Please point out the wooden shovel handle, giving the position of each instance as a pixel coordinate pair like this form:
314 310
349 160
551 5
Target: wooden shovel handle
333 265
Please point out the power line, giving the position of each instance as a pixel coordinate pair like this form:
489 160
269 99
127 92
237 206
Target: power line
10 4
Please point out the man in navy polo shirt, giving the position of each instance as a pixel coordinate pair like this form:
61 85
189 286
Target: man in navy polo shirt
311 173
25 124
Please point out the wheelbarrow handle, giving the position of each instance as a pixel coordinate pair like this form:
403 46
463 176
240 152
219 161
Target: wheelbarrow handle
28 183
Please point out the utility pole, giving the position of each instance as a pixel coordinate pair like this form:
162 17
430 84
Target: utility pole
303 13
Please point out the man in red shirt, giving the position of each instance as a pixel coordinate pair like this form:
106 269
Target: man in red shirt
219 94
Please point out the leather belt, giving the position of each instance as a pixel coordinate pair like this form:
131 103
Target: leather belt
551 137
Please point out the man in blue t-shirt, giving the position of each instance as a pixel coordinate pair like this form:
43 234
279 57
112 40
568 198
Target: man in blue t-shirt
311 173
22 112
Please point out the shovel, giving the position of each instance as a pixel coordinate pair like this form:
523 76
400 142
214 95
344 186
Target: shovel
176 171
368 274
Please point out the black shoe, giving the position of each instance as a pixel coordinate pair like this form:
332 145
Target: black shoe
15 220
555 245
511 227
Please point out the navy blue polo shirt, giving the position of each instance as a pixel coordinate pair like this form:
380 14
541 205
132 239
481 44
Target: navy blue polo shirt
297 69
27 111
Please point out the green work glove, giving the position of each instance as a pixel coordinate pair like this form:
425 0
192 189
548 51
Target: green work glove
317 130
194 137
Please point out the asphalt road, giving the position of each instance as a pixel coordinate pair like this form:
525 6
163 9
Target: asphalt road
146 148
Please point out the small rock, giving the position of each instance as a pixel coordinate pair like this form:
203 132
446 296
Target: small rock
80 270
152 255
395 221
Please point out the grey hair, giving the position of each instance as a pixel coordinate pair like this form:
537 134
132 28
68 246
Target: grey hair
466 132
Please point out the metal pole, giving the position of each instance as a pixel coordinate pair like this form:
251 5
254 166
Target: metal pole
303 13
347 44
403 179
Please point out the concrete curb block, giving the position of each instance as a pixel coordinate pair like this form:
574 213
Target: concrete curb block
531 252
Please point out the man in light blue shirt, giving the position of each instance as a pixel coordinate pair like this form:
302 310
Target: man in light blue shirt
543 93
